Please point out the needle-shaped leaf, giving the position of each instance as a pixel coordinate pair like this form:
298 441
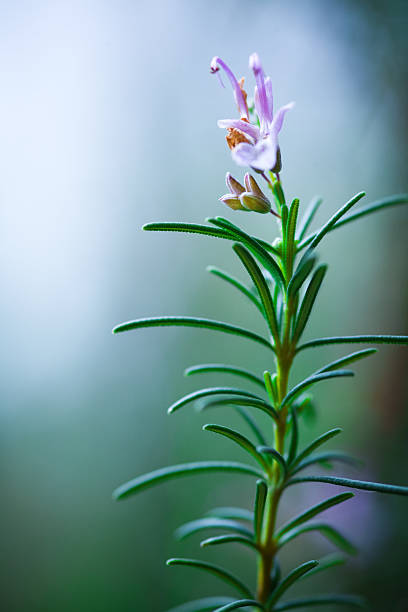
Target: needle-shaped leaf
260 283
316 444
332 534
327 227
252 424
365 339
191 322
324 600
184 469
192 397
374 207
255 247
294 436
237 284
259 507
216 571
206 368
314 511
301 273
275 455
229 539
211 522
207 604
343 361
239 439
241 603
289 243
308 301
232 512
190 228
244 401
327 458
327 563
312 380
353 484
308 217
287 582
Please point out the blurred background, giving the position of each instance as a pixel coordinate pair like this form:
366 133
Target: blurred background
107 121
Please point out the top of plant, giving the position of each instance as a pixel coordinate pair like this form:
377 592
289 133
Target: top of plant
253 138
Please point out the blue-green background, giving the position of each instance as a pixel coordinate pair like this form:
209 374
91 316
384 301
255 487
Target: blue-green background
108 120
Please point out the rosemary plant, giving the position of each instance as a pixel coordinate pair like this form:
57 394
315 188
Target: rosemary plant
285 279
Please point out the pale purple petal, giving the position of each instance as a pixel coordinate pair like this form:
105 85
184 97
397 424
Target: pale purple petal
265 153
264 110
277 122
216 63
243 154
269 95
248 128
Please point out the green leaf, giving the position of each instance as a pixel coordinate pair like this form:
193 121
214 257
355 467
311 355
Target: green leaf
327 563
316 444
308 301
252 424
314 511
353 484
270 386
329 532
210 522
207 604
237 284
294 437
287 582
311 380
259 507
308 217
245 401
205 368
239 439
327 457
241 603
268 450
366 339
190 228
374 207
228 539
231 512
192 397
191 322
324 600
216 571
262 287
184 469
302 271
289 243
316 238
255 247
343 361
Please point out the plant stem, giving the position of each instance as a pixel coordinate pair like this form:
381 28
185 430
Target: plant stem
284 360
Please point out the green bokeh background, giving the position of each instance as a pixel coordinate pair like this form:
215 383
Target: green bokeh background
108 120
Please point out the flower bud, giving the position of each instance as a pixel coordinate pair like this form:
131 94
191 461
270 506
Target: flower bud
233 185
254 202
253 187
232 201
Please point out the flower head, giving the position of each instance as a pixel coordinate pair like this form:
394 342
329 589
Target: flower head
253 144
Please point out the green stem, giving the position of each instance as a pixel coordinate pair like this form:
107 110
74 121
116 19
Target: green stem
267 545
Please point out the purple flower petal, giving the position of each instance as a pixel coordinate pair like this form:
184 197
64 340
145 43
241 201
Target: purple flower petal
243 154
263 107
216 63
277 122
248 128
